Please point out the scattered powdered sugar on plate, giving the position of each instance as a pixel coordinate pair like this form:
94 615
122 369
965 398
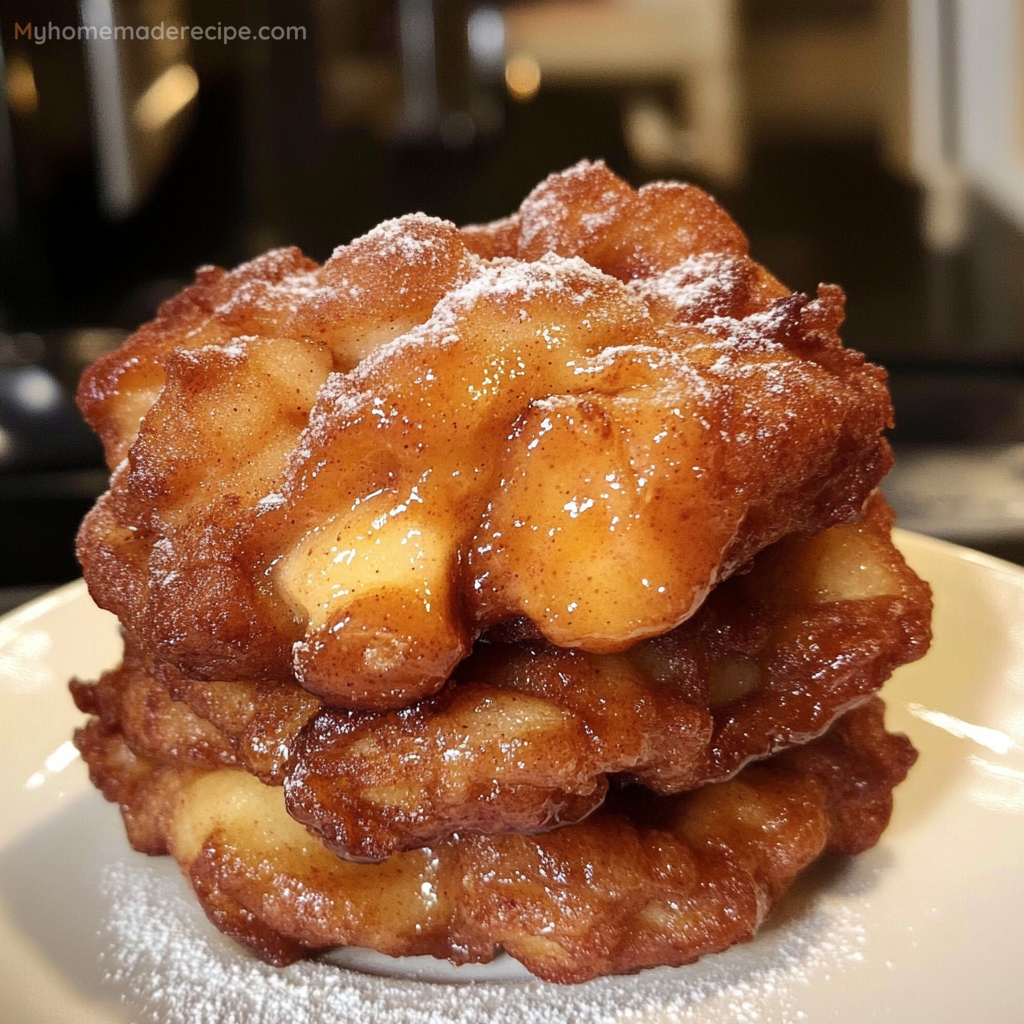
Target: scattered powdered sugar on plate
172 967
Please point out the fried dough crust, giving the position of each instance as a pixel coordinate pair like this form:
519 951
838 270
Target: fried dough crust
132 700
202 724
585 416
654 880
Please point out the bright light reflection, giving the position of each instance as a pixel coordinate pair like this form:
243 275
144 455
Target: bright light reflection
996 741
1002 788
23 667
36 391
522 76
1001 771
61 757
166 97
55 763
22 95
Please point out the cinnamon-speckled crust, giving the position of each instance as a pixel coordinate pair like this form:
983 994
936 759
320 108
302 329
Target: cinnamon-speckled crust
118 389
344 474
488 758
148 791
826 619
588 211
262 720
198 723
655 880
131 700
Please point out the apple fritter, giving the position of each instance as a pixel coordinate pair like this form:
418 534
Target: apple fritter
346 473
525 735
588 211
653 880
147 790
119 389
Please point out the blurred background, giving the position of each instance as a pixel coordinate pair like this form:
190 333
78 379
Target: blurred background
876 143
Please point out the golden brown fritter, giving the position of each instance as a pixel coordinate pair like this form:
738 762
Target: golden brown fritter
656 880
586 416
524 736
588 211
147 790
132 700
495 556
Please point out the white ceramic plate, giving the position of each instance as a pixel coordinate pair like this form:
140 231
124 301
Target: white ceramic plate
927 926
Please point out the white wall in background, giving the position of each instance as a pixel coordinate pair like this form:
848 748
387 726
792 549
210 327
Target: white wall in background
966 109
991 107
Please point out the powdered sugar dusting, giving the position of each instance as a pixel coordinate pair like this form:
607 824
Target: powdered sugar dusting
549 279
412 238
173 967
272 300
545 210
550 275
703 285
